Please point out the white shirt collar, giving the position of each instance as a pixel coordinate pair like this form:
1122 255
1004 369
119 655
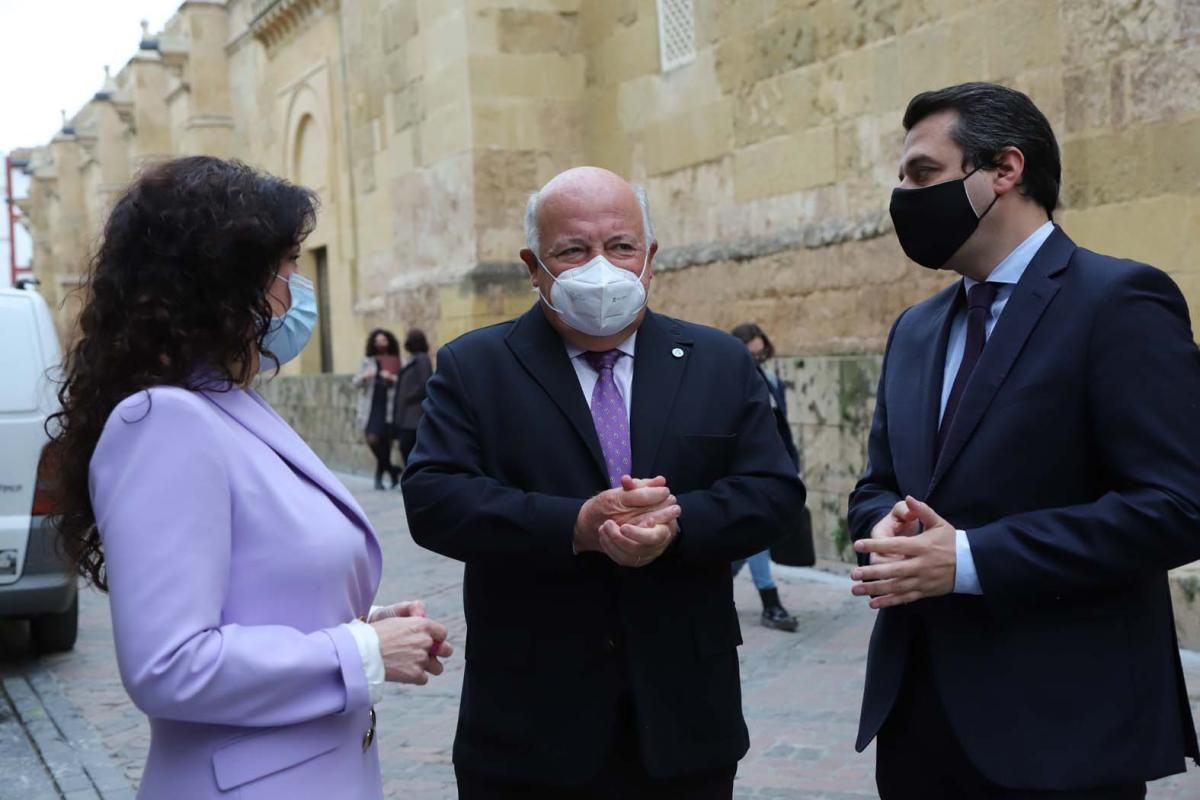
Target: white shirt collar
627 347
1015 263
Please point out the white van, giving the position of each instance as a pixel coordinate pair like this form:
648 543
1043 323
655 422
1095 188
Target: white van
35 580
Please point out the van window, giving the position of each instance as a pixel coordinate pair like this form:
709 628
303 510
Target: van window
20 357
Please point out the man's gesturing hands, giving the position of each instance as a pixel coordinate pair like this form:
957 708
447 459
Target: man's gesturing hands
907 565
633 524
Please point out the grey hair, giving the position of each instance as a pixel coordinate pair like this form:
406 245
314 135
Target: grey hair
531 209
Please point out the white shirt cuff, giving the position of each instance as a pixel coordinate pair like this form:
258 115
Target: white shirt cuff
966 579
368 647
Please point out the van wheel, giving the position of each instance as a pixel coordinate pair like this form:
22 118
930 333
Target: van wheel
55 633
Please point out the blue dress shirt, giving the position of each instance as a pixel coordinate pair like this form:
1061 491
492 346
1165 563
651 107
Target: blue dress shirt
1007 273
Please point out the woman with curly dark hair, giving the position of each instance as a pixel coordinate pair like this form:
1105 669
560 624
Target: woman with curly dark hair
376 383
239 569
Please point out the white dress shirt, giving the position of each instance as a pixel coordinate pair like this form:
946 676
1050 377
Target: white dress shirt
1007 273
368 649
622 371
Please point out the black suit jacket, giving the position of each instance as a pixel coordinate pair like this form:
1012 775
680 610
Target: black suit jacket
1073 464
506 454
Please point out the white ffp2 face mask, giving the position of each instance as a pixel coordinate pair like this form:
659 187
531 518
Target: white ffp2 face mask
597 299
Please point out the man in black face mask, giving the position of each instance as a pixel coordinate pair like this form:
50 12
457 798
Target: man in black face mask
1034 471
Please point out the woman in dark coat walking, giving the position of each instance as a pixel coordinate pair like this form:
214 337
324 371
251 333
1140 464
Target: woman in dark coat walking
410 390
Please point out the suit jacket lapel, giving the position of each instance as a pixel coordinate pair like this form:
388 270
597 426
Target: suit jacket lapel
255 415
657 375
936 329
541 351
1025 307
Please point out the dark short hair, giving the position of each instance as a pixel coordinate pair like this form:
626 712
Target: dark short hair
393 346
415 341
749 331
991 118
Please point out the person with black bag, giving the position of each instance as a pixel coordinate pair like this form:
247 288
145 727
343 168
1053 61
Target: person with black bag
774 615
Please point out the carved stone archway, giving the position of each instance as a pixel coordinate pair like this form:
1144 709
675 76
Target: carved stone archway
309 151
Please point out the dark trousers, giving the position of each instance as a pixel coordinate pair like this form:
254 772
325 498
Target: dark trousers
381 447
623 778
918 756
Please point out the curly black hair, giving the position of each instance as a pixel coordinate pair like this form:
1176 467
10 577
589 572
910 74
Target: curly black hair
175 295
393 344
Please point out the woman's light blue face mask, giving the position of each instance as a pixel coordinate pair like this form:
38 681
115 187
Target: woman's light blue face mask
287 335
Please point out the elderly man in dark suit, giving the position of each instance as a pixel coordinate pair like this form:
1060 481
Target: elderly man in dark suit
1034 472
598 466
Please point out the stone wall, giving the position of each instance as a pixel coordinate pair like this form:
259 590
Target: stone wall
772 206
769 157
830 403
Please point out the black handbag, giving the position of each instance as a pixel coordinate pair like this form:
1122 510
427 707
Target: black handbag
795 549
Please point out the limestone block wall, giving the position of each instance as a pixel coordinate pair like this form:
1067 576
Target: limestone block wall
769 157
830 403
409 117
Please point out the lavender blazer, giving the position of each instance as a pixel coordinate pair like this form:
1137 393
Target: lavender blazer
233 558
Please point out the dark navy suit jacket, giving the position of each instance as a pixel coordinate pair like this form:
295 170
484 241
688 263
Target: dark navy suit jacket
1073 464
506 455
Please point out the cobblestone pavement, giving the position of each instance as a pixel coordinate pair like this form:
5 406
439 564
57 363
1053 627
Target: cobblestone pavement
68 730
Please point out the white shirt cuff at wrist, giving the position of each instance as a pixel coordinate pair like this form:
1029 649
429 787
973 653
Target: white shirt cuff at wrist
368 648
966 579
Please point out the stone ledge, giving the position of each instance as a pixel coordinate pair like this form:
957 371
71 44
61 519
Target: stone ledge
870 225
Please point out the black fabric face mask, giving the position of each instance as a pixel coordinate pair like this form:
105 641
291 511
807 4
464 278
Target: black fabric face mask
934 221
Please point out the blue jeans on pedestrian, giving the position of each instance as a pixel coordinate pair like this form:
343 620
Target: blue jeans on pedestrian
760 569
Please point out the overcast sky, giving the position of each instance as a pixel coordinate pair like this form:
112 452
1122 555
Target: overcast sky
52 57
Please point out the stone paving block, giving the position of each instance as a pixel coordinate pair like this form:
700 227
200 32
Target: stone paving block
24 774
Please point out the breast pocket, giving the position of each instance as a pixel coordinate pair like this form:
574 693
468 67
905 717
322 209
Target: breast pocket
701 459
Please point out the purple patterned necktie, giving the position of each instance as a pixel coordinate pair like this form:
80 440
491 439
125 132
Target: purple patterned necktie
609 416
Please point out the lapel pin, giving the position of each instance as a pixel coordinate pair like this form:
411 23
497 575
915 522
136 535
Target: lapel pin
677 352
